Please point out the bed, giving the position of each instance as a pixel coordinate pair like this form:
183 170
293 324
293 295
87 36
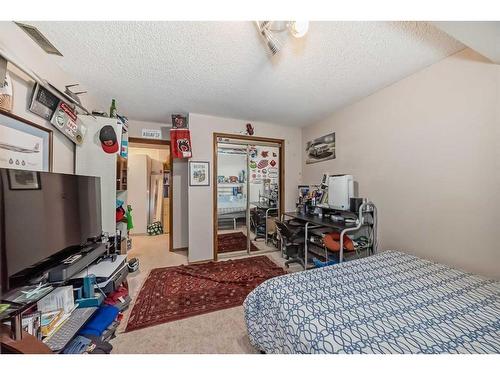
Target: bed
230 211
391 302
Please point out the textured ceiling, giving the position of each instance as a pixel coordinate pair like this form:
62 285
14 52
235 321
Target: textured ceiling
222 68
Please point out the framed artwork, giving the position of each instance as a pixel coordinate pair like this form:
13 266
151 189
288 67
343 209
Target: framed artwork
199 173
24 144
24 180
320 149
180 121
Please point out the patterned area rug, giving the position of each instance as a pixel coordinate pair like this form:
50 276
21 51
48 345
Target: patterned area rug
174 293
233 242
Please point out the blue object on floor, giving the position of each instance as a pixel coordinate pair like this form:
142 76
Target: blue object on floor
77 346
319 264
100 321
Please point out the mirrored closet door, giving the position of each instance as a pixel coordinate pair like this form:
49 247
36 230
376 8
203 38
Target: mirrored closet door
232 197
263 186
248 195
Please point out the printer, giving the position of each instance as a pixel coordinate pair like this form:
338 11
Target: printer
109 273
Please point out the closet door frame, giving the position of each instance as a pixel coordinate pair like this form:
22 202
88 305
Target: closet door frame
216 136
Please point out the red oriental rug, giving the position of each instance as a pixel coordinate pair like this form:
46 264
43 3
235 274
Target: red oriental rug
174 293
233 242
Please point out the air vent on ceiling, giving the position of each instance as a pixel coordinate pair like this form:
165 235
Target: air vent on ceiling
39 39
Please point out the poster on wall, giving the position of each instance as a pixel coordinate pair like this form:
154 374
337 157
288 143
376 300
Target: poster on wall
321 149
24 145
180 143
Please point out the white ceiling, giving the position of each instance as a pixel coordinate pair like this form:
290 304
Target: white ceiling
222 68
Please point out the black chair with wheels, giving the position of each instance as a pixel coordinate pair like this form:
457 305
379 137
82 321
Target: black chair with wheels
292 243
258 223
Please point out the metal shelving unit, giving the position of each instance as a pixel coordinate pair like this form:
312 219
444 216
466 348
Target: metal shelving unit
313 222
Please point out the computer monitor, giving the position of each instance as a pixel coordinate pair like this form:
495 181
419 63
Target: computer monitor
44 218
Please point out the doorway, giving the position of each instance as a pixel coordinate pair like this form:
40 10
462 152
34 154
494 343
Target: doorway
150 187
248 193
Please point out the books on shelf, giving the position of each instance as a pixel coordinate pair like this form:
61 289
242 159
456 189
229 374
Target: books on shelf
50 320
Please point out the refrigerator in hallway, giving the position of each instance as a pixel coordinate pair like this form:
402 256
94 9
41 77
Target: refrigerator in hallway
145 191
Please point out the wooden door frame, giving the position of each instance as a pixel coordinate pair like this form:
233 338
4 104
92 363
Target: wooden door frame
161 142
281 180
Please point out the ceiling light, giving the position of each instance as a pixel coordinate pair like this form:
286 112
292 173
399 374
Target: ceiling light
269 36
271 31
298 28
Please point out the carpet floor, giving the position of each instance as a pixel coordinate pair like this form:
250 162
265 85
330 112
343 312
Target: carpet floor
229 242
180 292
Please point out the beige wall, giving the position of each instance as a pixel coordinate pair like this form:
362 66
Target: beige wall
200 198
136 126
498 119
426 151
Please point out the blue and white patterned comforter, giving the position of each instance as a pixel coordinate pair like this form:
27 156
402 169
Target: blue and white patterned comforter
388 303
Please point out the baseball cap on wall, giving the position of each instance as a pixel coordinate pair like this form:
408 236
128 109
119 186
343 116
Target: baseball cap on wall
107 136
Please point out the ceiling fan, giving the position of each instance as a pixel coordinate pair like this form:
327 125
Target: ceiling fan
270 31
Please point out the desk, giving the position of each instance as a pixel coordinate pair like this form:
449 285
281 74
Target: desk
314 221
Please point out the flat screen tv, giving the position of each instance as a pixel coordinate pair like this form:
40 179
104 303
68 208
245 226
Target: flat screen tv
44 218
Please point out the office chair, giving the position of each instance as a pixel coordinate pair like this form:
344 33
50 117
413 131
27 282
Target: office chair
258 223
292 243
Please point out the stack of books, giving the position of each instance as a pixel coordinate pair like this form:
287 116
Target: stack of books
50 320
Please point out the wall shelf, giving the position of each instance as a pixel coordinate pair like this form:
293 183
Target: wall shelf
230 184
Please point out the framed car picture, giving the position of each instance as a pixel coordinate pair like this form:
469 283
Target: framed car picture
199 173
320 149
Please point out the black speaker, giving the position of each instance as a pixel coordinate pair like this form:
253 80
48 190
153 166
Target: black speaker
354 204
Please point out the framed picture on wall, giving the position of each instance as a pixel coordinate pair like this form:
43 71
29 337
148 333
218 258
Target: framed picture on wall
320 149
179 121
24 180
24 144
199 173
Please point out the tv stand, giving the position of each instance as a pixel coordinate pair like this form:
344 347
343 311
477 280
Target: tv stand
28 344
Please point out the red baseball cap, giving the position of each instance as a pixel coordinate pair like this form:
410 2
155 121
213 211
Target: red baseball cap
107 136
